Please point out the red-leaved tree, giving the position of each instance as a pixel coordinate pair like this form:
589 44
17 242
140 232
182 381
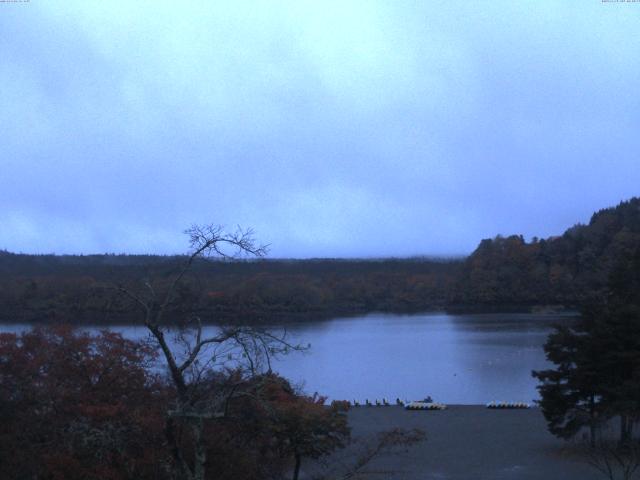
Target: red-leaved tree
79 406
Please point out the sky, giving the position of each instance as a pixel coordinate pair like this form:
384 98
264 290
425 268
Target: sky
332 128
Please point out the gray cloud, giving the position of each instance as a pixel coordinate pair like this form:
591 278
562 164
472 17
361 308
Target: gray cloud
333 128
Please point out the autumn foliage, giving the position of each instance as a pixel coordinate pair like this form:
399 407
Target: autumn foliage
77 406
86 406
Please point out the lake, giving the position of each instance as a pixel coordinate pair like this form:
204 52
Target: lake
456 359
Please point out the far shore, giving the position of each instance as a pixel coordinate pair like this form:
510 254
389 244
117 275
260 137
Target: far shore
284 319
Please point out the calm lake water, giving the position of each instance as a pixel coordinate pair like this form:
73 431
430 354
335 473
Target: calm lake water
458 359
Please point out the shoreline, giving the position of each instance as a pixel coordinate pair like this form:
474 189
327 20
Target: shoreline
288 319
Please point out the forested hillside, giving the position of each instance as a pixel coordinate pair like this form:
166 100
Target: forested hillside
560 270
81 289
502 273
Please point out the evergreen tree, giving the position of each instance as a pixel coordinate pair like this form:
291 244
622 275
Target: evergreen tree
571 397
617 328
597 374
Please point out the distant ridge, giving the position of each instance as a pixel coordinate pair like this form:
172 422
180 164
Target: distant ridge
503 273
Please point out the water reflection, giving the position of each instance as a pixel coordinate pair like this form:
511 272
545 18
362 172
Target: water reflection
454 358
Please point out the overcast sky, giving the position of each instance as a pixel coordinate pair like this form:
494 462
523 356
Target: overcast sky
333 128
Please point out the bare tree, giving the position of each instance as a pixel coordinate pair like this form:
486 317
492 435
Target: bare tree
194 357
365 452
615 461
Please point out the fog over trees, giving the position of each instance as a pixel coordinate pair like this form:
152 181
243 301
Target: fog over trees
503 273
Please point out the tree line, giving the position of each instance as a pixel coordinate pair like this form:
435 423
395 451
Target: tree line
503 273
79 290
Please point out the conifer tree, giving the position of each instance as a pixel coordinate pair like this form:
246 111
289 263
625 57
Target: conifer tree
597 374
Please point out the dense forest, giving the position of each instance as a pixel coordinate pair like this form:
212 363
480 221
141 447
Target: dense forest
82 288
563 270
502 273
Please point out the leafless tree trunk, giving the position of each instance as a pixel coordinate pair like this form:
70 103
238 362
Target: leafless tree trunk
385 443
248 347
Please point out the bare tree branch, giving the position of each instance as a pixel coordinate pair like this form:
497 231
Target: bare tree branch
198 398
613 459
